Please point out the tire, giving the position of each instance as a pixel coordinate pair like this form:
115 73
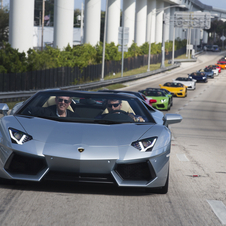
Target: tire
169 106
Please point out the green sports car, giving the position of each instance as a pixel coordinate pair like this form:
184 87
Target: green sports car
164 99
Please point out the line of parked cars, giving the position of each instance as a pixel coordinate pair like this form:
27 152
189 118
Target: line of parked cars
179 86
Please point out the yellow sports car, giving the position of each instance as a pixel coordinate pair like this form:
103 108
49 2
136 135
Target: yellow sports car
176 88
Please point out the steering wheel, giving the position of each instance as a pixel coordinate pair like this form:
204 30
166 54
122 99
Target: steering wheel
118 111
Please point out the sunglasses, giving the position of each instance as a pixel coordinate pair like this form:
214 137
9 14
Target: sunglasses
115 105
63 100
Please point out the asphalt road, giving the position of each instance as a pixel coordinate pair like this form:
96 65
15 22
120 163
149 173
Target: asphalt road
197 194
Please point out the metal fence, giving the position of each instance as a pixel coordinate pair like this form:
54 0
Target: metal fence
65 76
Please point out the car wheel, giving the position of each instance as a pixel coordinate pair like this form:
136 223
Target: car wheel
169 106
171 102
161 190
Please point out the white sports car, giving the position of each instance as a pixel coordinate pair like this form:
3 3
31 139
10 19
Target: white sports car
189 82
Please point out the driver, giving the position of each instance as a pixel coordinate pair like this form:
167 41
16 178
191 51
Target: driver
114 107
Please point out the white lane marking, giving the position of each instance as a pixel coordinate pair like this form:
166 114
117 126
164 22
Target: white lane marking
219 209
182 158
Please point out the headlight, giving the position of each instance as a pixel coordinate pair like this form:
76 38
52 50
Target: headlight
203 77
181 90
163 100
19 137
145 144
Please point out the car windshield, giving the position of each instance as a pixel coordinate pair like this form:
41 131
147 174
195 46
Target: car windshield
198 74
86 107
155 93
173 84
208 70
183 79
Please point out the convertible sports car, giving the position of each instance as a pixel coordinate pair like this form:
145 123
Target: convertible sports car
222 65
176 88
216 69
189 82
92 144
199 76
164 101
209 72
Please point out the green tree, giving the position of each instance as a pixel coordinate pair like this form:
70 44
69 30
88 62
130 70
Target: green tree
4 26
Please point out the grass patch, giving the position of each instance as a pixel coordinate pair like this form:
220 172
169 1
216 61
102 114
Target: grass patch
136 71
111 87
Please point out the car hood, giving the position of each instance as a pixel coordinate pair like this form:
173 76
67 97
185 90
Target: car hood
175 89
61 139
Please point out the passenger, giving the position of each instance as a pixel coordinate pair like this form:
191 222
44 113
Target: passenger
60 109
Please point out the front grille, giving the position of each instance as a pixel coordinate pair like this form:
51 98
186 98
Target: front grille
136 171
160 105
24 164
76 177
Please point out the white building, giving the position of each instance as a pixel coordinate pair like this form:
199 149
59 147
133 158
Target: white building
144 18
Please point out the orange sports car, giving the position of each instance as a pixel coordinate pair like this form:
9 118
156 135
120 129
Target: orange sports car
221 65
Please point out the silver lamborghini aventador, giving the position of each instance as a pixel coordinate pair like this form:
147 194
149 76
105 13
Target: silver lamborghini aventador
86 137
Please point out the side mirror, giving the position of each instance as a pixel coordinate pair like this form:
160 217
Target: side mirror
172 119
4 109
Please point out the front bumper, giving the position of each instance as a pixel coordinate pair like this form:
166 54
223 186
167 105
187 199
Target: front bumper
148 172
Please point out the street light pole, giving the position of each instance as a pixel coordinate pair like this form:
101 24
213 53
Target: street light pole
163 41
103 55
43 15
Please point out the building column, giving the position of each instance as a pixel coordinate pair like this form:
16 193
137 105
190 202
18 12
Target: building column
167 23
141 22
151 20
21 23
63 23
92 19
159 21
113 21
129 18
205 37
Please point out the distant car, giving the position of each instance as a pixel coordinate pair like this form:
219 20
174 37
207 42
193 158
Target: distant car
176 88
208 71
199 76
215 48
149 101
214 68
113 149
208 48
221 65
189 82
164 101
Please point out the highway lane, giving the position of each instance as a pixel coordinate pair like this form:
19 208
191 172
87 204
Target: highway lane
197 173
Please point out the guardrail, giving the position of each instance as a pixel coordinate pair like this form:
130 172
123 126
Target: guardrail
22 95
